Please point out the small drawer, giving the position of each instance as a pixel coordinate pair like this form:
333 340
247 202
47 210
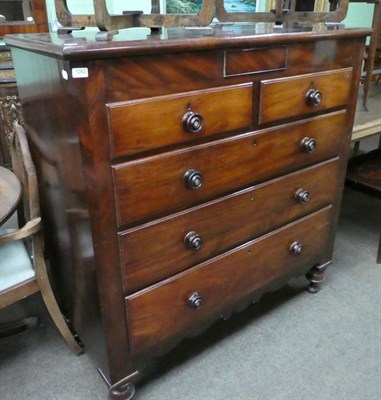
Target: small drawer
158 185
300 95
160 249
177 306
254 61
141 125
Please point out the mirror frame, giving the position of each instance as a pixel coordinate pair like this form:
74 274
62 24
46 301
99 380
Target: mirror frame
39 24
106 22
210 8
278 14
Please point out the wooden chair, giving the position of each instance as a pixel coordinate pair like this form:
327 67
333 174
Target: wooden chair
22 265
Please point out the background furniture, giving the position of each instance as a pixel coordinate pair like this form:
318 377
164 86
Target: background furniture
368 122
192 174
10 189
22 265
10 107
365 169
37 22
374 46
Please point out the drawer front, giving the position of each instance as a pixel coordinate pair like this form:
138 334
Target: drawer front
142 125
300 95
158 185
162 248
253 61
163 311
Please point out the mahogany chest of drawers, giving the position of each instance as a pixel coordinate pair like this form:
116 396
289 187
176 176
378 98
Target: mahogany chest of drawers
182 175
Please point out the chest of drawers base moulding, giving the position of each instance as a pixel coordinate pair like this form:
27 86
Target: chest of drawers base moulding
187 181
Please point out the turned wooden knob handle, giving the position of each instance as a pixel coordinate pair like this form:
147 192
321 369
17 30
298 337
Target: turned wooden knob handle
302 196
192 122
193 241
193 179
296 249
314 97
195 300
308 145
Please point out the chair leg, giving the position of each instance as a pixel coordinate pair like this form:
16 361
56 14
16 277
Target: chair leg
57 317
52 306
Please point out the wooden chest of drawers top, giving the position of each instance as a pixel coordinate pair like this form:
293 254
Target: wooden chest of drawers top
196 172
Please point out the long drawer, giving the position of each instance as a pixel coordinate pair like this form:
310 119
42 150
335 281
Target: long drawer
155 186
170 309
159 249
146 124
305 94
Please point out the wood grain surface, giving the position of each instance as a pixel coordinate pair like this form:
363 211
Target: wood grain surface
157 250
157 122
153 186
116 211
284 98
162 311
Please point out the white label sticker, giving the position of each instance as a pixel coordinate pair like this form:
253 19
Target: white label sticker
65 75
80 73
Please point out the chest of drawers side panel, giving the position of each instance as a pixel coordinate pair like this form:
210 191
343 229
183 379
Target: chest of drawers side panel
99 184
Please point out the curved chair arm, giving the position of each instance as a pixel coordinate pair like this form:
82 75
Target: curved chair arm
30 228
